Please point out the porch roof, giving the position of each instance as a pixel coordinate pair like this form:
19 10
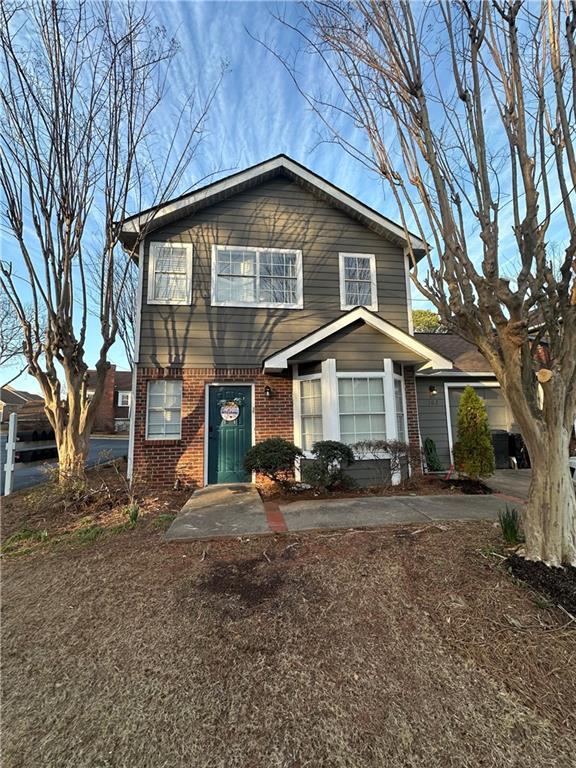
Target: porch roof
430 358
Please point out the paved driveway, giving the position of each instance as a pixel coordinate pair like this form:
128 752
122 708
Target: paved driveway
27 475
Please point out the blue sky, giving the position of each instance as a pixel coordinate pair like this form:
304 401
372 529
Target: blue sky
258 111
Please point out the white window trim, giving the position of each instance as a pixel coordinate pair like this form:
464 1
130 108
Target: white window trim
330 403
170 438
374 288
124 392
152 256
299 304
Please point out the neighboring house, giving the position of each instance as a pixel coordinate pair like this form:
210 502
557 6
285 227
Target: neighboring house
13 400
272 303
113 413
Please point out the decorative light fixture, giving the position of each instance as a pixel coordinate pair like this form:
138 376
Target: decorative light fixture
432 390
268 392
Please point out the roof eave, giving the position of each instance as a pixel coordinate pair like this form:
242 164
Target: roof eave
158 216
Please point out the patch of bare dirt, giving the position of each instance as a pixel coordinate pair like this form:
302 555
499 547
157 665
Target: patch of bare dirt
403 646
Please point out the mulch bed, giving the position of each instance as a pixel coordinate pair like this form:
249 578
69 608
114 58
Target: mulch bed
559 584
420 485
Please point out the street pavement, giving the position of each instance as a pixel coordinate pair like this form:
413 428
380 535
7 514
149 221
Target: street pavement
27 475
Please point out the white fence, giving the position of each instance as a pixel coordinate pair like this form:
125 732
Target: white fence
13 447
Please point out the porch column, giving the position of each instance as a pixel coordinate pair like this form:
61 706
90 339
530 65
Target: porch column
390 409
330 411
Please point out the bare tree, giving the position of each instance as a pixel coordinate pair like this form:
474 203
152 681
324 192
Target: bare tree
11 334
468 113
81 140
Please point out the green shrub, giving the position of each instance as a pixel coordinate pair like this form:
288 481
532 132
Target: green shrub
473 452
274 458
326 470
510 524
431 454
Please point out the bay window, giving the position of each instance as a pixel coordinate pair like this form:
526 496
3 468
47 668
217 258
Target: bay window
400 411
362 409
310 413
256 277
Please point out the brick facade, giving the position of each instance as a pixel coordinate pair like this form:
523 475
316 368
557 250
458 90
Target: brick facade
162 462
411 407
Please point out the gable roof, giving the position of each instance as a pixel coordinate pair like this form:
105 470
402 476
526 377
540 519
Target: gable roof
281 165
431 359
464 355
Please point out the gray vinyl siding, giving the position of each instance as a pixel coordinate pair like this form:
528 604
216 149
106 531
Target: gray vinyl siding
432 417
358 348
277 214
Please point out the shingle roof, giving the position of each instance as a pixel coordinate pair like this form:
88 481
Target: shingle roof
464 355
11 396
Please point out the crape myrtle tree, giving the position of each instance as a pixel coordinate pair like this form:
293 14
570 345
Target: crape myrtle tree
467 111
81 91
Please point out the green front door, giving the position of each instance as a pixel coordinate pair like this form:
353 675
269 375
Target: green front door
229 433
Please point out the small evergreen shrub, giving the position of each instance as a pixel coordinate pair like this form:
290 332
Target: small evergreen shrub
326 470
431 454
509 519
473 452
274 458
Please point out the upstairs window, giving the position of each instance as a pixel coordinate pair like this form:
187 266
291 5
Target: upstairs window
358 281
124 399
256 277
170 273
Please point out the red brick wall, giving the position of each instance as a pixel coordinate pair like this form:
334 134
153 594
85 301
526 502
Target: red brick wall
104 421
411 407
161 462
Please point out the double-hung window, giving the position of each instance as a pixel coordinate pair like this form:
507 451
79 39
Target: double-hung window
362 409
164 410
124 399
310 412
400 410
256 277
358 281
170 273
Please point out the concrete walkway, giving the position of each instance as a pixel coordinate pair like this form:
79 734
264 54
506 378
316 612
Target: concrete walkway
220 510
237 510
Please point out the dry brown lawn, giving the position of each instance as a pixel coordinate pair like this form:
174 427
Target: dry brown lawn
398 647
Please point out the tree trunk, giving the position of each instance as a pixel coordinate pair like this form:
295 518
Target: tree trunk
549 517
72 455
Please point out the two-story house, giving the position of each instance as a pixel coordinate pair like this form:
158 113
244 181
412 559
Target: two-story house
272 303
